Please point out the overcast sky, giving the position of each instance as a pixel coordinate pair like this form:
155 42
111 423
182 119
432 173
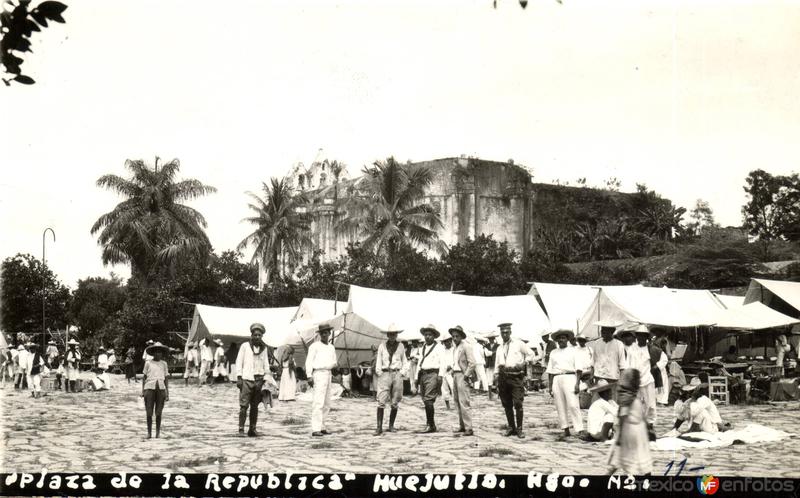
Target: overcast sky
687 97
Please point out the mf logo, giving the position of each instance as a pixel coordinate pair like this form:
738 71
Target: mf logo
707 485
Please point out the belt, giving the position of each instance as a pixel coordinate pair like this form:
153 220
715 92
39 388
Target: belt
391 369
429 370
457 372
564 373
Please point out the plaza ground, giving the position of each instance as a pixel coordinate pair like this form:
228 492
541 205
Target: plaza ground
104 432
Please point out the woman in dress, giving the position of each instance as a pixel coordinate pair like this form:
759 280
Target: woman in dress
155 386
630 452
288 379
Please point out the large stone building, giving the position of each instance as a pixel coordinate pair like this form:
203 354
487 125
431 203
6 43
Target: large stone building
473 196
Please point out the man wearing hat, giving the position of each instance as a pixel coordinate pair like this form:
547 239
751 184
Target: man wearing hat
145 355
564 382
72 360
206 361
509 376
191 362
390 365
51 353
220 361
602 413
252 366
33 367
638 356
463 368
102 359
608 354
489 349
696 406
21 380
413 367
320 362
447 379
432 368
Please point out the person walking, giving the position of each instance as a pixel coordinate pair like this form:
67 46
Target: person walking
191 363
155 385
206 361
73 358
431 367
288 387
630 452
463 369
509 376
390 366
50 354
252 368
564 382
320 362
639 356
34 367
220 361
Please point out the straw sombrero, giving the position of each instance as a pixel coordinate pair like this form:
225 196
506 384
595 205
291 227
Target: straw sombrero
73 342
555 335
430 328
392 329
156 346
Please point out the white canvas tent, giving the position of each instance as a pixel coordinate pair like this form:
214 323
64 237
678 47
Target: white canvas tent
651 306
312 309
565 304
765 291
233 324
753 316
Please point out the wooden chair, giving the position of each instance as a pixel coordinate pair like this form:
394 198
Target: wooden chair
718 389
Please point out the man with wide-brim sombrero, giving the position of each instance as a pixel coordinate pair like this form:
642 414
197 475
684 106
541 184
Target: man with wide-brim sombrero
432 368
72 360
463 369
51 353
390 366
320 363
602 412
511 362
155 384
252 371
564 382
35 362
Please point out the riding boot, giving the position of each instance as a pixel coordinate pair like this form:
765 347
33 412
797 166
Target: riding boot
512 428
520 431
242 417
253 420
432 420
392 417
379 429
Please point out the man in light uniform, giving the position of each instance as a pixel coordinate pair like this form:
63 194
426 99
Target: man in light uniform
391 364
206 361
321 360
252 369
73 359
608 355
22 361
432 368
565 382
447 380
509 376
463 368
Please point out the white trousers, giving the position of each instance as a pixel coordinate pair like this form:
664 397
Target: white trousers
35 383
647 395
567 401
447 387
321 403
482 383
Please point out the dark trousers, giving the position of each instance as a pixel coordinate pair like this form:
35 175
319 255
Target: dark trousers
250 396
154 401
511 389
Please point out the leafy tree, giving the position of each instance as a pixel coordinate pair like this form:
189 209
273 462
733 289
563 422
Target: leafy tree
18 23
703 267
94 304
385 210
772 210
151 229
282 226
484 267
604 274
702 217
24 279
656 216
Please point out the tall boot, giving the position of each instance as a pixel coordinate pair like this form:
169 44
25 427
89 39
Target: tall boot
149 426
512 428
379 429
520 432
392 417
432 421
252 432
242 418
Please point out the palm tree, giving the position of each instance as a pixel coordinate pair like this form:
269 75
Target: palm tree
151 226
282 226
385 210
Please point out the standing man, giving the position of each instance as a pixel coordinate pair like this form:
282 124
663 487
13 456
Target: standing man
489 351
432 368
583 359
220 362
481 381
390 366
321 360
50 354
637 355
564 382
21 380
447 380
252 365
608 355
413 367
509 376
73 359
463 368
206 361
190 363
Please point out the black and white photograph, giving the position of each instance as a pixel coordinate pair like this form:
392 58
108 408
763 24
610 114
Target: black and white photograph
352 248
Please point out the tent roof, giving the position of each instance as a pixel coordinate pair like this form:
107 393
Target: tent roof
565 304
318 309
233 324
753 316
788 291
730 301
652 306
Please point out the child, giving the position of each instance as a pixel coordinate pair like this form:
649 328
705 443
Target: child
630 452
155 386
59 365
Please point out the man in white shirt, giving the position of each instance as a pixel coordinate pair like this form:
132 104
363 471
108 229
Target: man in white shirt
463 368
432 368
509 376
321 360
50 354
191 360
72 360
696 406
102 359
22 361
583 358
637 355
412 367
390 366
565 382
608 355
206 361
481 381
490 356
602 413
252 368
447 379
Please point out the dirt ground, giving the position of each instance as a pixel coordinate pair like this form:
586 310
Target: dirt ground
104 432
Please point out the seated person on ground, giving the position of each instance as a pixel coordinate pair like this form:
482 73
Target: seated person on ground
696 407
602 414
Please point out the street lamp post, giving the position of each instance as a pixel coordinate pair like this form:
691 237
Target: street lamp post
44 282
